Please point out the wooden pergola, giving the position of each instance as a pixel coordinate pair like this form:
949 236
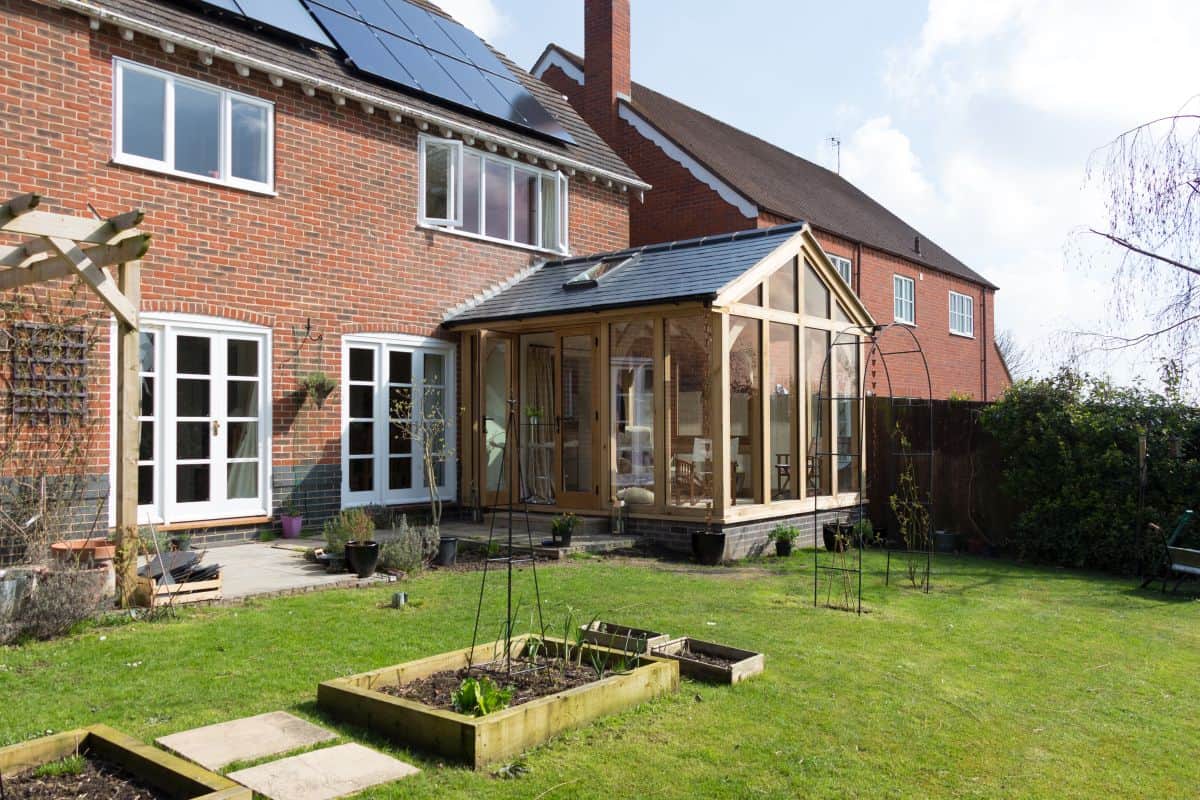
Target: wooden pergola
63 246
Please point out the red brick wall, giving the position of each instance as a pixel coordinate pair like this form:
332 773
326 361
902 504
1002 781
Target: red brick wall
338 245
606 33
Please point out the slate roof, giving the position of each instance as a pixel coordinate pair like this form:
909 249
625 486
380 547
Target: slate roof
692 269
785 184
322 63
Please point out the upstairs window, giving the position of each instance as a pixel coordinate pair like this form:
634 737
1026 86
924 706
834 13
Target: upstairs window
905 299
470 192
182 127
962 314
843 266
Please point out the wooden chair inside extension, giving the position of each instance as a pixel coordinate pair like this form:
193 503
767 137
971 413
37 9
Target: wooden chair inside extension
1176 562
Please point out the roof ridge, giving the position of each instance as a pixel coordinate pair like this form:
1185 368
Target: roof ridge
683 244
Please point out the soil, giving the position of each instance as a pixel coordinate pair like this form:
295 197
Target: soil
706 658
98 780
437 690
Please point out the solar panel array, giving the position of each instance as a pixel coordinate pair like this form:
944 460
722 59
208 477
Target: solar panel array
407 45
283 15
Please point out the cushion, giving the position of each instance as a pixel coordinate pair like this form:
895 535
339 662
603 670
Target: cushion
637 496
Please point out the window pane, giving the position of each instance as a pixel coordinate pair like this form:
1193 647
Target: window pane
495 410
242 441
242 480
437 180
816 348
526 206
816 294
192 355
191 483
243 358
362 474
147 405
146 485
632 370
250 141
496 188
143 108
398 440
362 402
146 442
400 473
197 131
362 365
549 212
745 419
578 413
435 365
784 464
192 397
688 343
146 352
242 398
846 396
400 403
399 367
781 288
753 297
472 182
191 440
362 438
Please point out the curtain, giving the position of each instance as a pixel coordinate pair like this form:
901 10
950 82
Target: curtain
539 440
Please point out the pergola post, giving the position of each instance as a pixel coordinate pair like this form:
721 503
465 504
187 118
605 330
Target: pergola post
127 395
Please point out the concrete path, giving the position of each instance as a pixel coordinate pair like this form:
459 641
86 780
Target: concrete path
272 567
323 774
249 739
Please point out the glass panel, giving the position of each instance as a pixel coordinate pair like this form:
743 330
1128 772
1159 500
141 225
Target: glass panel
435 369
242 441
192 397
689 437
495 412
849 441
197 131
243 358
192 356
496 190
242 398
241 481
782 383
538 413
435 404
631 366
525 203
578 414
147 405
191 440
549 212
192 483
362 402
472 183
816 294
399 367
398 441
840 315
437 180
753 297
250 141
362 364
146 352
143 110
362 474
146 485
146 442
399 402
816 347
781 288
362 438
400 472
745 417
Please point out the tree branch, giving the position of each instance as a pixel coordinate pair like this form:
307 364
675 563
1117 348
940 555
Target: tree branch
1124 342
1131 246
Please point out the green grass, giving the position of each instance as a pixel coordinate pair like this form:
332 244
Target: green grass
1005 681
71 765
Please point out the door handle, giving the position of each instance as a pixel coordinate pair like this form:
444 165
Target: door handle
216 426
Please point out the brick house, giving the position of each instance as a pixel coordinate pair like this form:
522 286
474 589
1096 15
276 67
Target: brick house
711 178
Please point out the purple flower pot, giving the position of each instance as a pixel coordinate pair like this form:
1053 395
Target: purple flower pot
291 525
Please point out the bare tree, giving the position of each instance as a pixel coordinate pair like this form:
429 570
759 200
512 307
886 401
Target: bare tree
1018 359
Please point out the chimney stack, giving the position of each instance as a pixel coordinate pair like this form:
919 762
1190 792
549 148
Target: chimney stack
605 64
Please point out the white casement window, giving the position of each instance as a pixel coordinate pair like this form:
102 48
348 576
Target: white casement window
473 193
962 314
389 381
205 419
905 299
166 123
843 267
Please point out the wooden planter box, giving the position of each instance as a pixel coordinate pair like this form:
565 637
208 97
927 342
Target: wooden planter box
480 740
622 637
169 774
149 594
746 663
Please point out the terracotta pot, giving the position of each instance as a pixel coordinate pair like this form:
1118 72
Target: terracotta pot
84 551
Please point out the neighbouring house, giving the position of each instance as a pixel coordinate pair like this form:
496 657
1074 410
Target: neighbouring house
369 193
710 177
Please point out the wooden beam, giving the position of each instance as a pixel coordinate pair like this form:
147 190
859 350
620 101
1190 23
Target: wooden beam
18 267
128 401
81 229
98 279
19 205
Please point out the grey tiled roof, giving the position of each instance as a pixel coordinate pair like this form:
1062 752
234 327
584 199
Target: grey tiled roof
693 269
322 63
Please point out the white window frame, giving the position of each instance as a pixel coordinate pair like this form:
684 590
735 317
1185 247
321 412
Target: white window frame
844 267
963 315
224 146
903 302
382 344
454 221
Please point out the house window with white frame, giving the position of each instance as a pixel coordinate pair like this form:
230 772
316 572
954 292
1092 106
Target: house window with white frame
905 303
962 314
390 382
166 123
843 267
473 193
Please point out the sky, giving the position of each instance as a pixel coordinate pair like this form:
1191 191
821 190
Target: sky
974 121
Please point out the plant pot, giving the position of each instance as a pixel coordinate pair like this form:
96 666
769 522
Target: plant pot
291 525
84 552
708 548
362 557
561 539
944 541
447 552
783 547
833 543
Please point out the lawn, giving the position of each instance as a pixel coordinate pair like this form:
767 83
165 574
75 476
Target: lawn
1005 681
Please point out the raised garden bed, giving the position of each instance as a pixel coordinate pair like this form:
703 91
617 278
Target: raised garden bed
622 637
113 761
369 700
711 662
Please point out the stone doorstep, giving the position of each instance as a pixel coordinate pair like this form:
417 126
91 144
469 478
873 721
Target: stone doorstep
323 774
248 739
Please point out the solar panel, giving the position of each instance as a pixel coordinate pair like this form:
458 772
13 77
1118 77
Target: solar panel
282 15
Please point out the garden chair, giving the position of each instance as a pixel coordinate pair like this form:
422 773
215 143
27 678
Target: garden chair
1178 562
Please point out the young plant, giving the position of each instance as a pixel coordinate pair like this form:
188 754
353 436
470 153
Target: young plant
480 697
71 765
596 658
784 533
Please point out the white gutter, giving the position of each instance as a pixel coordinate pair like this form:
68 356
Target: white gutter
277 72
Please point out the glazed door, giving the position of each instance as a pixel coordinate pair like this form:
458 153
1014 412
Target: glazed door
578 422
498 445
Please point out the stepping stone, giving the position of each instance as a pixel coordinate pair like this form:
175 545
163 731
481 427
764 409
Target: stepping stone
323 774
249 739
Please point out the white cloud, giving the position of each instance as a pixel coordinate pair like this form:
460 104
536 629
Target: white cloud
481 16
880 160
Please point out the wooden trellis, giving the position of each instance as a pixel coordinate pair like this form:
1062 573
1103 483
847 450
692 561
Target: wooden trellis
63 246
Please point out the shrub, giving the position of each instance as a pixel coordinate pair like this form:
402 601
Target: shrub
352 525
62 599
784 533
410 548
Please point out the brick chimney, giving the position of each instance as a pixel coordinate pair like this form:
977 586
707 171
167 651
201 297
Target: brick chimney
605 64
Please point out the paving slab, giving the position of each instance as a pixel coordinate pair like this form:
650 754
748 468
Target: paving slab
323 774
249 739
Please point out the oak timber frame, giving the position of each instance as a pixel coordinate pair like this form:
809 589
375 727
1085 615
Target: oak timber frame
63 246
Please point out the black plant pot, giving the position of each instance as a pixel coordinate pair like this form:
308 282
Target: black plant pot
362 557
447 552
561 539
832 543
708 548
783 547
